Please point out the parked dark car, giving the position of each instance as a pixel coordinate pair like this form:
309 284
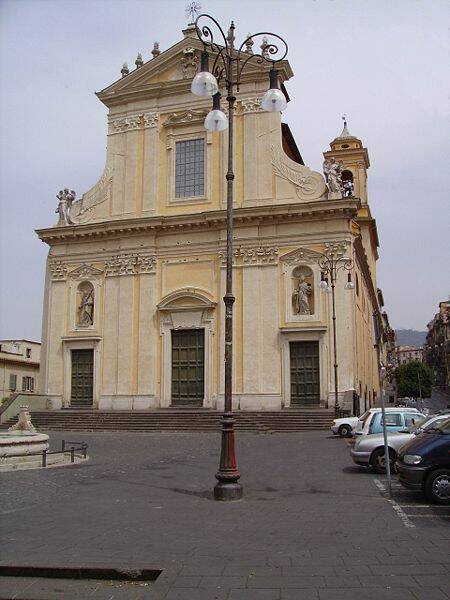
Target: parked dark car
424 463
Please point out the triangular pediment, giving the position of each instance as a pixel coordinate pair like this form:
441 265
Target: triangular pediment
171 71
85 271
178 63
301 255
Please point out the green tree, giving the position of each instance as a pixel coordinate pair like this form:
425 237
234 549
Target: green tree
414 380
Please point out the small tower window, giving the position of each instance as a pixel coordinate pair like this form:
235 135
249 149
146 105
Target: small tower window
347 183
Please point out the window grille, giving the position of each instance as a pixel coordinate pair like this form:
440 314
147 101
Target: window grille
189 168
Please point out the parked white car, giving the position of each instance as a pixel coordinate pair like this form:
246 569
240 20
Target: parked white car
344 426
396 419
369 449
347 425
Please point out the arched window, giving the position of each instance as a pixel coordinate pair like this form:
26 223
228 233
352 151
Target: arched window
347 183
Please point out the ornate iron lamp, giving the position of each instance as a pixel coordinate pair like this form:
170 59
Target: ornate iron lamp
228 65
330 263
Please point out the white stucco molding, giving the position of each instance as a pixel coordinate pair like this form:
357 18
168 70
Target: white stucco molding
185 299
58 270
85 271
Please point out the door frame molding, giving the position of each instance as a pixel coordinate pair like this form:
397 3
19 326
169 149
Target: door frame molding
188 308
310 335
80 343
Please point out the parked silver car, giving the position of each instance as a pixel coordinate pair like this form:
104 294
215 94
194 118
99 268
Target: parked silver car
369 449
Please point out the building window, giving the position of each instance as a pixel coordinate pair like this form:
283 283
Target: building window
28 352
189 168
27 384
12 382
357 284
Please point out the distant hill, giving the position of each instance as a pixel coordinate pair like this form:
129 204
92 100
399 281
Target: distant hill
410 337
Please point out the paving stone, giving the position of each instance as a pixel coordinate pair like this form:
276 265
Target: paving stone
388 581
431 593
249 571
197 594
299 594
366 594
286 582
437 580
241 594
414 569
223 582
186 582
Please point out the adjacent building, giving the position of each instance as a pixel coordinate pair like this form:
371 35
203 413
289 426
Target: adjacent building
407 354
19 366
133 311
437 346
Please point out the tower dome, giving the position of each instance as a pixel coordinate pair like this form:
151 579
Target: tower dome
346 140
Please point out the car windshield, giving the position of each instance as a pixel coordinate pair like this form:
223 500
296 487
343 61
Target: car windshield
444 427
419 423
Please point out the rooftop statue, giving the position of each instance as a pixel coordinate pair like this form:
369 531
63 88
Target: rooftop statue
332 169
66 198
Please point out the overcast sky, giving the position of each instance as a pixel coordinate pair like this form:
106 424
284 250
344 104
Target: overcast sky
382 62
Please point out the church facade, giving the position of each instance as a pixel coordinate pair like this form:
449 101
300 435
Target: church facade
133 311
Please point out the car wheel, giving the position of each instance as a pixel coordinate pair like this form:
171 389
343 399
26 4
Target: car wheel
345 430
437 486
378 460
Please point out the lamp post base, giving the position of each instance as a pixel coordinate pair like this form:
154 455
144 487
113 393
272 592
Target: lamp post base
228 492
228 488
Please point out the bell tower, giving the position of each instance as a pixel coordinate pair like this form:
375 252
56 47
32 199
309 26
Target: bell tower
349 149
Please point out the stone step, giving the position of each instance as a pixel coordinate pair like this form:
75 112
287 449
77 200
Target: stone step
175 419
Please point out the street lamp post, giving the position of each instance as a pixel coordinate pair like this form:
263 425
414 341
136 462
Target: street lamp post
229 63
330 263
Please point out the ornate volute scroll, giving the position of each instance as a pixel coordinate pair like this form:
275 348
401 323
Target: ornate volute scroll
308 184
229 62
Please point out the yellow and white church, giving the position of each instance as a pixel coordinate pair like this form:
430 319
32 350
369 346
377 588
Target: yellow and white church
133 313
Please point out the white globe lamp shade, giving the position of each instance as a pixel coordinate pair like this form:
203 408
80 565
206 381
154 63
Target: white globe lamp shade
323 285
274 100
204 83
216 120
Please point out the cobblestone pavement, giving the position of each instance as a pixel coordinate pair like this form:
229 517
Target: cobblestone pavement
311 526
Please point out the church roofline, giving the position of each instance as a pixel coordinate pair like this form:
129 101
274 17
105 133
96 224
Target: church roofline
317 209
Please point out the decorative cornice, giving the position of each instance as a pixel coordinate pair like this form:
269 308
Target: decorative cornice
130 264
58 270
253 256
208 220
251 105
143 120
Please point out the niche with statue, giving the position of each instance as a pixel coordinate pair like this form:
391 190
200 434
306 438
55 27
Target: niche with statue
302 291
85 304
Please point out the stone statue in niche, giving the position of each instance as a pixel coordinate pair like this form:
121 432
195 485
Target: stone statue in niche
332 169
303 296
66 198
85 317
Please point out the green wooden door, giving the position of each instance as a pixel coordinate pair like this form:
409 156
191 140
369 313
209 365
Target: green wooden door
82 378
305 376
188 367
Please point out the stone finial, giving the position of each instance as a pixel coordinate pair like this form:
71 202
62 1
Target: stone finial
156 51
125 70
139 62
249 44
24 426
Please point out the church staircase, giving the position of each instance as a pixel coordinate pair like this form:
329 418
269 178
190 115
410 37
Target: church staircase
181 420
